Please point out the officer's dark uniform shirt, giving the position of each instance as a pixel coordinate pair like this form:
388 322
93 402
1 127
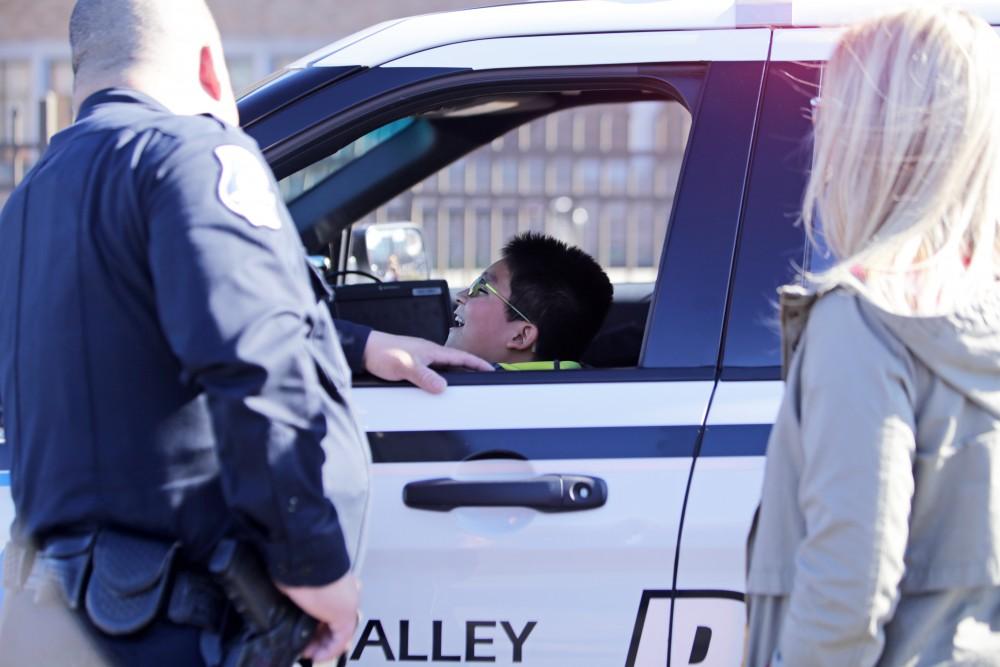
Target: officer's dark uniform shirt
164 363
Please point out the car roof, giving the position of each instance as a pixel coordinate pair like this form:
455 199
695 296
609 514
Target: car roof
391 40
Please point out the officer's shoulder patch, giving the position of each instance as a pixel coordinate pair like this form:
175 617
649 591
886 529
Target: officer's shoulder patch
245 188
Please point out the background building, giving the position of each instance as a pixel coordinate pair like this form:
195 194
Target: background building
577 174
259 36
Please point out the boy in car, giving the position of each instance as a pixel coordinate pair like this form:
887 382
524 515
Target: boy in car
536 308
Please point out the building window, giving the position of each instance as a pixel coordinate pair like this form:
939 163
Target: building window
15 101
559 179
534 217
587 179
615 218
425 214
531 137
559 131
484 236
532 176
456 237
60 96
505 175
645 241
18 140
615 176
508 221
615 130
477 176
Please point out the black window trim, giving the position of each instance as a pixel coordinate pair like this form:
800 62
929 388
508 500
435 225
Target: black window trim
339 128
705 218
750 228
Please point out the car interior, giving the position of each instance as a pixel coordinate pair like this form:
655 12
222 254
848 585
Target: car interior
331 197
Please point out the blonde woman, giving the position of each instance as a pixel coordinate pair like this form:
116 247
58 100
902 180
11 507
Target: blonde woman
878 536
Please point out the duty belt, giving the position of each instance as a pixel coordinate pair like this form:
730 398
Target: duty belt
123 582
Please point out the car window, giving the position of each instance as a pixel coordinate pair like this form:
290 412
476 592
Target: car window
596 173
601 177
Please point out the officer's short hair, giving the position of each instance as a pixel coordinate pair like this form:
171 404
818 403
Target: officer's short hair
561 289
110 35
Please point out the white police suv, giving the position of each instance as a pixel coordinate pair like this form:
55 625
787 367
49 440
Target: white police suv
552 518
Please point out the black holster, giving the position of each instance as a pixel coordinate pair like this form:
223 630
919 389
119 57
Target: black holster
276 631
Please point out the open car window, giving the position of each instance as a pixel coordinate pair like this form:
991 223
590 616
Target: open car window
435 195
601 177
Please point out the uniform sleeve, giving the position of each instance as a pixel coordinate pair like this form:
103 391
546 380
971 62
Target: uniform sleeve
235 304
353 338
855 491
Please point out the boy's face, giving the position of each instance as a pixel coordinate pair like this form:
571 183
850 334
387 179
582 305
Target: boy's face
481 326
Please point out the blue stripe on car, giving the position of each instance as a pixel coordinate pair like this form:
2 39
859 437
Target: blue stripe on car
735 440
611 442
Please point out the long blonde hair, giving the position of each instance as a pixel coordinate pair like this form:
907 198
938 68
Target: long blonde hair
905 180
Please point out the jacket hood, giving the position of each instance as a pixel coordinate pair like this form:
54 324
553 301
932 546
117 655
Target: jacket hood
962 348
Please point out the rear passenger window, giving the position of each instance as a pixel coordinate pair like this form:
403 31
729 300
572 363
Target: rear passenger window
596 169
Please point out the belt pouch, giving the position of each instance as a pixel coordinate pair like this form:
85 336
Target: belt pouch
64 564
129 582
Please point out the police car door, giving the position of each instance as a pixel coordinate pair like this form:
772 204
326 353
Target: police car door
729 469
728 472
534 517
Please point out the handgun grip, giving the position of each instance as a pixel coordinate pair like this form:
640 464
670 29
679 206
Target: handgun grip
247 584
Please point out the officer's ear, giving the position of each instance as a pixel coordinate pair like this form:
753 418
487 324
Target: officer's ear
524 338
208 76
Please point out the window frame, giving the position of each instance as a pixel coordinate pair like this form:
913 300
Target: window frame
393 92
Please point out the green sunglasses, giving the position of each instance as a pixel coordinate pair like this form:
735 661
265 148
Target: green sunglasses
480 284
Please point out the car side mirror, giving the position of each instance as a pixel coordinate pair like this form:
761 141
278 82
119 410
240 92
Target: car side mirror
391 251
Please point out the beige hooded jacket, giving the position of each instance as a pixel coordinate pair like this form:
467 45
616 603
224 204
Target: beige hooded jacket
878 536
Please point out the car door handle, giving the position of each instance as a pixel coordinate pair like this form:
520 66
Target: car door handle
546 493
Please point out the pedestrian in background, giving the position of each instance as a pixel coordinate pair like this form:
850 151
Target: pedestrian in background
878 535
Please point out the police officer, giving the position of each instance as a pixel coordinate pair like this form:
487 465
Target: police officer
168 377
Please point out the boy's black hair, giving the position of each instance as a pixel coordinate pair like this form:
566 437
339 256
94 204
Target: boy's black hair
562 289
